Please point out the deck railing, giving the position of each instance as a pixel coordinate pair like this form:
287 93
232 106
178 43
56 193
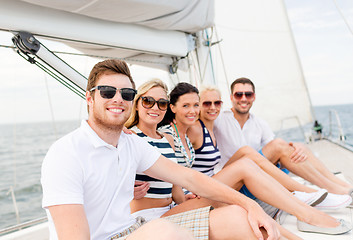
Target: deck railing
11 191
338 124
23 225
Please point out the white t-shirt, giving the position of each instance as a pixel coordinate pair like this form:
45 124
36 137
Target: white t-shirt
81 168
255 133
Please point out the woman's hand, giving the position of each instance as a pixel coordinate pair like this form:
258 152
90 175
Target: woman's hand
140 189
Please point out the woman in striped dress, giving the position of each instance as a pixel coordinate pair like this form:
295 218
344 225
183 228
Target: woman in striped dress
143 122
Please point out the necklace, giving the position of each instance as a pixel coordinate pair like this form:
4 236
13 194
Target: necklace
188 161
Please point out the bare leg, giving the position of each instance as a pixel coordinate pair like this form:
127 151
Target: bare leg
191 204
270 169
226 221
152 231
264 187
318 165
230 222
280 150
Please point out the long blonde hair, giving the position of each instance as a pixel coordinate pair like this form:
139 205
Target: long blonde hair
145 87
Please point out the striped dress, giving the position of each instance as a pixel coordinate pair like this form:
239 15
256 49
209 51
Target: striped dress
208 155
182 157
158 188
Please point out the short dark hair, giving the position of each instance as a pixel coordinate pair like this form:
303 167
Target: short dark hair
179 90
110 66
242 80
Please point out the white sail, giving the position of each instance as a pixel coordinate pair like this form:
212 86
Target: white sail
258 44
153 32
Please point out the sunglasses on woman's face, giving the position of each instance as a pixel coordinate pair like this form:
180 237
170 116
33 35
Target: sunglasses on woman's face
148 102
239 95
108 92
217 104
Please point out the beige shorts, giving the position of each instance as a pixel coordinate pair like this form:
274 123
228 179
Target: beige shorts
197 221
124 234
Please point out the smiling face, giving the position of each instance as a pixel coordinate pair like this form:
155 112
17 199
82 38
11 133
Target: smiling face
186 108
209 112
154 115
242 105
109 113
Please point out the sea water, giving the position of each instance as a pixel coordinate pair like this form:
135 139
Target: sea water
23 147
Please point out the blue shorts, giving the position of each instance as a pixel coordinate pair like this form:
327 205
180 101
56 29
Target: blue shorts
244 190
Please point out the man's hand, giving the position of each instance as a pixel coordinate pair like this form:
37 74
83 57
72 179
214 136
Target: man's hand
140 189
299 153
127 131
258 218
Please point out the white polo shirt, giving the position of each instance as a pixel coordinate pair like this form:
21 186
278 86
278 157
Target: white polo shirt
81 168
255 133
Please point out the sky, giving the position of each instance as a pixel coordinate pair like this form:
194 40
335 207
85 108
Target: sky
324 43
325 47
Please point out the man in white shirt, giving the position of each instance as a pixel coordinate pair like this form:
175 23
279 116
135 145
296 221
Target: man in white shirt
237 127
88 176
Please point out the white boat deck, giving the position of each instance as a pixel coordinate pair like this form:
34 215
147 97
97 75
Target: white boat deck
334 157
337 159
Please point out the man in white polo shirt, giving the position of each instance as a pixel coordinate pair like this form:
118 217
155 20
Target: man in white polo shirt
88 176
237 127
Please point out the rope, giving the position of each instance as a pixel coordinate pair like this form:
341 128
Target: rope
210 53
73 88
222 59
50 106
344 19
7 46
14 154
58 78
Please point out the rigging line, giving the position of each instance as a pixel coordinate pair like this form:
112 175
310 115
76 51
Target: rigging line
63 61
344 19
58 78
14 153
51 73
204 70
85 6
195 68
198 61
7 46
189 69
210 53
208 56
69 85
223 63
50 106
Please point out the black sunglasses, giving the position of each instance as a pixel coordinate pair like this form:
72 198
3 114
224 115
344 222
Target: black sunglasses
148 102
217 103
239 95
108 92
